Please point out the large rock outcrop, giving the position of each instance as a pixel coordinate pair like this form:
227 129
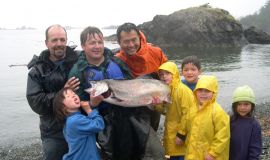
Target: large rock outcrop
257 36
202 26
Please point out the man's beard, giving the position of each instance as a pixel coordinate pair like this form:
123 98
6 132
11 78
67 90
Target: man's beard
59 52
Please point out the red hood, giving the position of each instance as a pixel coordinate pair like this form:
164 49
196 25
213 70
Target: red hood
146 60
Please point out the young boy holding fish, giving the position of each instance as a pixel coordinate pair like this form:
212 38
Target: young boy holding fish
178 113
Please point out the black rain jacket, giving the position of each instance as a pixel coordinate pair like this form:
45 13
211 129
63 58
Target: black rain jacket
45 79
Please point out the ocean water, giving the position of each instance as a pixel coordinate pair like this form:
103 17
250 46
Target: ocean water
19 124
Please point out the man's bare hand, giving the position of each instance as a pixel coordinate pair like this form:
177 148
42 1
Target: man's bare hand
95 100
156 100
73 83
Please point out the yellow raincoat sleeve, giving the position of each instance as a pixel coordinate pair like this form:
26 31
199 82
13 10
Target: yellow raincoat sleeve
221 139
183 106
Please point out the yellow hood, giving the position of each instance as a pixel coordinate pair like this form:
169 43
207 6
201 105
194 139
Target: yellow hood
172 68
179 113
207 82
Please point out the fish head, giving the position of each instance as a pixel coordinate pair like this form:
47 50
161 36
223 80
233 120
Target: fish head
107 94
98 88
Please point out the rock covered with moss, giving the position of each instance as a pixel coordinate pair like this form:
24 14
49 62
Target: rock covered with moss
201 26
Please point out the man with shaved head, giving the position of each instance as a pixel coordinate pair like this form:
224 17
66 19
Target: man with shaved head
48 74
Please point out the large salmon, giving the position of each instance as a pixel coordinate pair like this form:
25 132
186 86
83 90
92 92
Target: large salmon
131 93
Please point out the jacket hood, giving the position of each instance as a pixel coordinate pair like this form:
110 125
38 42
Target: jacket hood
143 47
172 68
42 58
207 82
143 43
243 93
146 60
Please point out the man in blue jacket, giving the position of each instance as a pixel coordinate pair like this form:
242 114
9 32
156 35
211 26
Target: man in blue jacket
126 131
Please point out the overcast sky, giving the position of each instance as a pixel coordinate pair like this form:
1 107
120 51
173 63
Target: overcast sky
100 13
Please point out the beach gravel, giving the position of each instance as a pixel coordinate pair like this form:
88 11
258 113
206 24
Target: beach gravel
25 150
32 149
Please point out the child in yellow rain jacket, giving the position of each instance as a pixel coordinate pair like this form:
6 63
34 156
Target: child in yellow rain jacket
209 137
178 113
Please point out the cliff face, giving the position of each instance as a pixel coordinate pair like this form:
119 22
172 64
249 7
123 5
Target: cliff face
202 26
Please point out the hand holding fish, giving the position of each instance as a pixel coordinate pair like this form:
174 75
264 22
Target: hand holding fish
156 100
95 100
73 83
86 107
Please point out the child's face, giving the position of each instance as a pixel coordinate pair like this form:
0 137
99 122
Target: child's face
165 76
191 73
203 95
71 101
243 108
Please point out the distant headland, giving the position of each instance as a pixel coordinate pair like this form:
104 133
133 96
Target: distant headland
19 28
111 27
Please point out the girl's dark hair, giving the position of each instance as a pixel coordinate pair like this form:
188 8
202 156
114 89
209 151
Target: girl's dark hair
235 114
58 105
191 59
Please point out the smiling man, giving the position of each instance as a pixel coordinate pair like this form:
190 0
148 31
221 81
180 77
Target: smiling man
49 74
142 58
122 137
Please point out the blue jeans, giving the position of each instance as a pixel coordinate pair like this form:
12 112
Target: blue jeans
54 149
176 158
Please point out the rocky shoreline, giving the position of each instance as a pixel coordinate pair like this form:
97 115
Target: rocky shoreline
32 150
262 114
28 150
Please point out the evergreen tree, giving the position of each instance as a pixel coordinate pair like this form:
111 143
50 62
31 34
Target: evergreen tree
260 19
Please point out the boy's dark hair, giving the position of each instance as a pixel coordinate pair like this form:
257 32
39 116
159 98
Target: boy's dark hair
191 59
89 31
58 105
235 114
126 27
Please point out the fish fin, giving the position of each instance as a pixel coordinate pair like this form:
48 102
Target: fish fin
115 98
